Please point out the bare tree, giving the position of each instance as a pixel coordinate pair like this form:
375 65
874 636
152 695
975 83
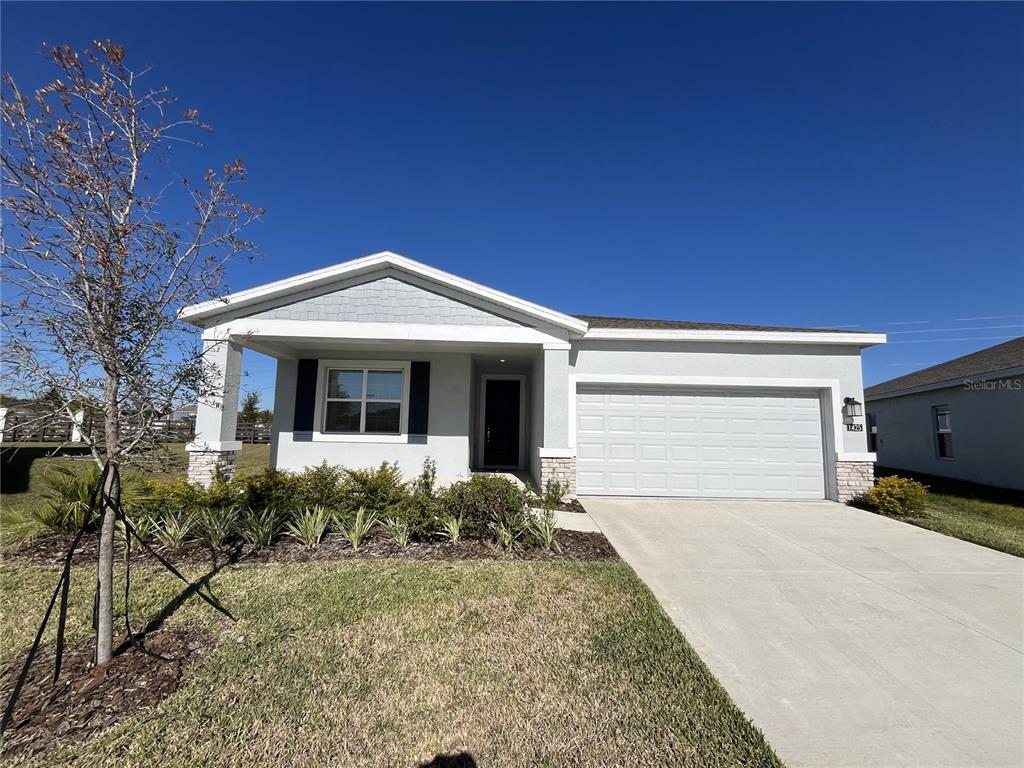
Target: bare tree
96 269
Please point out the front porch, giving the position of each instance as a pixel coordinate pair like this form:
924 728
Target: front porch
473 407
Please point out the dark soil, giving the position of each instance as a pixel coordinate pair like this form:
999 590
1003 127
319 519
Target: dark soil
51 548
87 699
572 505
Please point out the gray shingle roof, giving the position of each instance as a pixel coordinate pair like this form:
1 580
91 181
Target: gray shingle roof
598 321
1001 357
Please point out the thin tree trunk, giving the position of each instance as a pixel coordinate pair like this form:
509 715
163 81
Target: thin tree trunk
105 561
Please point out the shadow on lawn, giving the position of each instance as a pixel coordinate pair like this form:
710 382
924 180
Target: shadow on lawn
16 464
191 590
947 485
455 760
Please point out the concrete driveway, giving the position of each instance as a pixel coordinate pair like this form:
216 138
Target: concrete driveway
849 638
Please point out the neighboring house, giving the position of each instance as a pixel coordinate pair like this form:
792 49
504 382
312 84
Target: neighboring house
963 419
386 359
185 412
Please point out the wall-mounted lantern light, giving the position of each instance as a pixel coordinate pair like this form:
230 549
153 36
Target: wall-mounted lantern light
851 410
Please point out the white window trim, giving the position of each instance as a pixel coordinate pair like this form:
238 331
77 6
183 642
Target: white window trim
937 432
319 411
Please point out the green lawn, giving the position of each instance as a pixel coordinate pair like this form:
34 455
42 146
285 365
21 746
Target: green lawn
393 662
992 524
23 468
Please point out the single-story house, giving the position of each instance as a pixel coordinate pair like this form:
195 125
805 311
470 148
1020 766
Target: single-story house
962 419
386 359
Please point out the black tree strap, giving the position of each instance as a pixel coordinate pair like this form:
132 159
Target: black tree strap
62 589
99 493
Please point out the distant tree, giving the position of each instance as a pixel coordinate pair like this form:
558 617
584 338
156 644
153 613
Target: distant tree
250 411
96 271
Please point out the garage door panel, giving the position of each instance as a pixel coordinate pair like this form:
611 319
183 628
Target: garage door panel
686 442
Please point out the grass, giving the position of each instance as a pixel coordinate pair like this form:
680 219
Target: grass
395 662
23 468
992 524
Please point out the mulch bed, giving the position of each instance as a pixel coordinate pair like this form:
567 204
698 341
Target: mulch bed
572 505
51 548
86 699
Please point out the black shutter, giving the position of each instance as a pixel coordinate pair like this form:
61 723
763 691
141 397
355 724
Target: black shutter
305 395
419 398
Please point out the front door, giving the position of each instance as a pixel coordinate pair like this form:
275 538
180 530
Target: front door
501 422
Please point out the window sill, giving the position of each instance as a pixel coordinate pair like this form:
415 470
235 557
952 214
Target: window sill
357 437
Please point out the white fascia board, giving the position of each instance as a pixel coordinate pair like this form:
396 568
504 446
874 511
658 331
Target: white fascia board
246 330
948 384
761 337
198 312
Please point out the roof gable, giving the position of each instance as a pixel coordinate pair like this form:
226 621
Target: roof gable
420 274
1002 357
385 299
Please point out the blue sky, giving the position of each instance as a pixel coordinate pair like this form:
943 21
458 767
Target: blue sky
855 165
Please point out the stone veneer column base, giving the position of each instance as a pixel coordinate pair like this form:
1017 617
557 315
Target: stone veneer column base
562 470
854 478
205 466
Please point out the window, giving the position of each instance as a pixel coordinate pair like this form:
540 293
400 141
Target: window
364 400
944 431
872 433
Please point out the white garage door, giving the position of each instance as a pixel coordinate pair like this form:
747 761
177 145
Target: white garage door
650 441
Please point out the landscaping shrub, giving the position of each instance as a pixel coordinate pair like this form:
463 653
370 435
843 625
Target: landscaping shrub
898 496
258 529
68 494
309 526
271 489
174 528
320 486
378 491
451 528
142 520
216 525
542 528
422 507
356 529
398 530
554 492
486 503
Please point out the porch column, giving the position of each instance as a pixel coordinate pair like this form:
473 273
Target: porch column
557 459
214 448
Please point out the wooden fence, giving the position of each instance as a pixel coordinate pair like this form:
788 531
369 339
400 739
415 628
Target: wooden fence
20 429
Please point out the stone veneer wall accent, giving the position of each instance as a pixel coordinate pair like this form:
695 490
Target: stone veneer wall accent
562 470
854 478
203 466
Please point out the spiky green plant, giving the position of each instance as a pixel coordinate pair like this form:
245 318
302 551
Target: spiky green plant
142 520
216 525
68 495
451 527
509 531
309 526
542 527
174 529
398 531
358 528
258 529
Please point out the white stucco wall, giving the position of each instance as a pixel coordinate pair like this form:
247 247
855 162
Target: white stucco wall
988 428
448 423
794 362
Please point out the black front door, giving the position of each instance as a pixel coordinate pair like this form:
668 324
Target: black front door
501 423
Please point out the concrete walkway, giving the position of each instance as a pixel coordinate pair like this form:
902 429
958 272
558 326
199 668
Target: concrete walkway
849 638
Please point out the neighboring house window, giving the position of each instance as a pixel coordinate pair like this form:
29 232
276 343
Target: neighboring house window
872 433
944 431
364 400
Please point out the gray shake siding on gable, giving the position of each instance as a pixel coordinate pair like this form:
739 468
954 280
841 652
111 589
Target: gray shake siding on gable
387 300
